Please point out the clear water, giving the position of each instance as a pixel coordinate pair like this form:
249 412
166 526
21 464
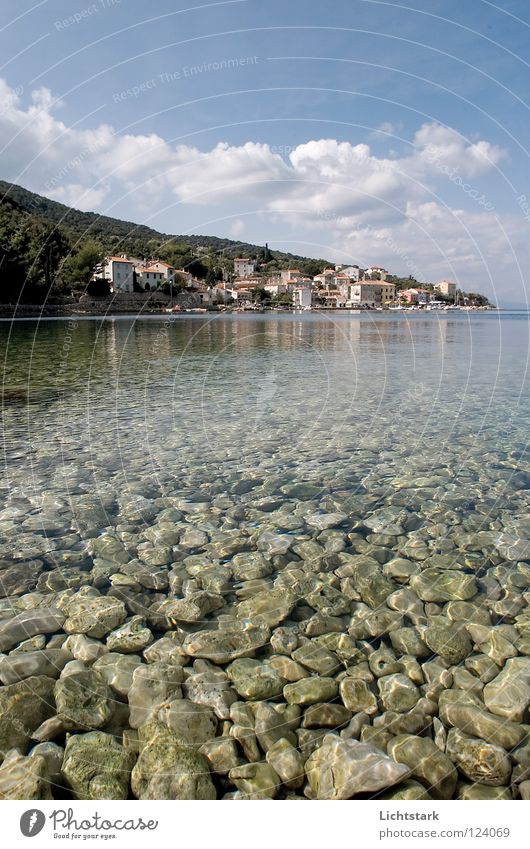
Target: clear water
120 428
172 403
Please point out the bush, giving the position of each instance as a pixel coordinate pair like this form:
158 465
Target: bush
98 288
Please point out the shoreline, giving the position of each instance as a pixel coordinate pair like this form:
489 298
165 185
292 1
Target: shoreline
21 311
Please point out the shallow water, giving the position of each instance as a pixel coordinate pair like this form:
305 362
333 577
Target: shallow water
158 401
411 429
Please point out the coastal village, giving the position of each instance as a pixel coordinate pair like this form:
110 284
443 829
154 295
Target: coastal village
249 286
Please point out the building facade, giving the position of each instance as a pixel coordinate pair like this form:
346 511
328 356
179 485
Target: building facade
302 296
351 271
376 272
291 275
119 271
150 278
243 266
446 287
365 294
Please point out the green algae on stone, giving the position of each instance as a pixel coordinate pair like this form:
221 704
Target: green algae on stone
446 640
24 706
96 766
397 692
256 780
84 699
254 680
152 685
483 793
24 778
466 712
130 637
270 607
94 616
168 768
326 715
357 696
190 722
405 791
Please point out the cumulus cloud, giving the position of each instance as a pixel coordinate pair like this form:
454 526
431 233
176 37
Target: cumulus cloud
79 197
372 208
440 145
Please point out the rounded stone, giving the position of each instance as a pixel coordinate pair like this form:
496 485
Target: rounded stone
96 766
309 691
431 767
84 700
448 641
397 692
479 761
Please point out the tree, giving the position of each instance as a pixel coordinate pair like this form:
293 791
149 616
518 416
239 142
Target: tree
311 267
260 295
211 278
99 287
197 268
284 299
266 255
55 247
79 267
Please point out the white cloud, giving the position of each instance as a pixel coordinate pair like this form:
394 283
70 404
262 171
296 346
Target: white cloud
372 208
236 227
79 197
443 145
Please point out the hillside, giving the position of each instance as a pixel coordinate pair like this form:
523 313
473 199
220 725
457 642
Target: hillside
109 231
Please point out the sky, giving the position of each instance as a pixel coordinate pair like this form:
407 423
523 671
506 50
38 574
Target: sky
361 131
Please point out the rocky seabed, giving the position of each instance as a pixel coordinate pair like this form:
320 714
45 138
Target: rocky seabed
333 637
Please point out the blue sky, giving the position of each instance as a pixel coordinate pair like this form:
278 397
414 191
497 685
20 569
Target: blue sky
362 131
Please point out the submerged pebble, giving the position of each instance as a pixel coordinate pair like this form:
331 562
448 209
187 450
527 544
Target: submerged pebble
283 603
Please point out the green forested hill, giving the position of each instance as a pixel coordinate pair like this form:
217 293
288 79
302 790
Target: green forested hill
46 248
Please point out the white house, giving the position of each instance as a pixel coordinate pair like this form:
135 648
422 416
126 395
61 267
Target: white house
371 294
119 271
242 295
302 297
446 287
291 275
377 272
243 266
351 271
210 297
278 288
164 267
150 278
